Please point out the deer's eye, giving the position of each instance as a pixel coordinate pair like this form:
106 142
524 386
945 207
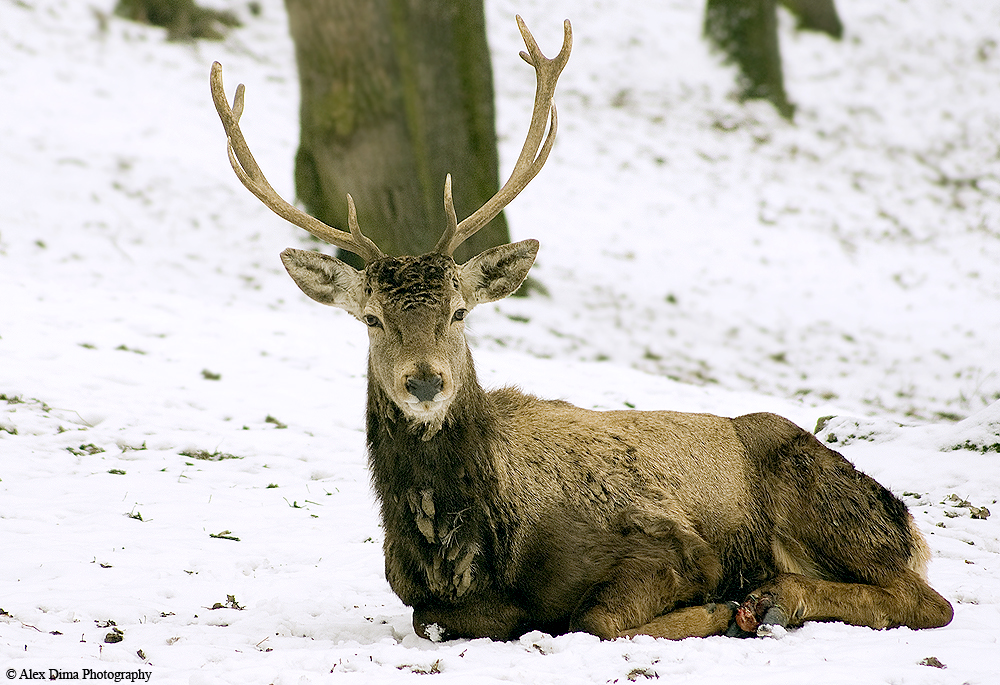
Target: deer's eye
372 321
459 315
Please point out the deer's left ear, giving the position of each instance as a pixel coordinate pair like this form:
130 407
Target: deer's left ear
497 272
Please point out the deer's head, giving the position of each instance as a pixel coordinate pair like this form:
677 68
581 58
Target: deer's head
414 307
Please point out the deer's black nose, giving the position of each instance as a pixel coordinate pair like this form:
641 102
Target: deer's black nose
424 389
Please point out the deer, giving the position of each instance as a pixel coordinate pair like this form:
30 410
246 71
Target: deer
505 513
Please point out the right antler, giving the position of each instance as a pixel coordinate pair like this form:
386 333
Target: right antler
531 160
252 177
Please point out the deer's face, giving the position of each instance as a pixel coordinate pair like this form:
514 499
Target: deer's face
415 309
415 314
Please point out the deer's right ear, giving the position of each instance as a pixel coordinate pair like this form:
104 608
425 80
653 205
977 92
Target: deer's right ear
325 279
497 272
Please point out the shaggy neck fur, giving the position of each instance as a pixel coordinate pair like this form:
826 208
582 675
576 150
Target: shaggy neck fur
440 496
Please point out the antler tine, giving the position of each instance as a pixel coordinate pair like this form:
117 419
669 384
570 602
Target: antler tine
252 177
531 159
451 228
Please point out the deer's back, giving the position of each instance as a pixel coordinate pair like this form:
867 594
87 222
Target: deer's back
599 463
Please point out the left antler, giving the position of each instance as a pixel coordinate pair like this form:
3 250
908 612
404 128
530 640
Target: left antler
531 160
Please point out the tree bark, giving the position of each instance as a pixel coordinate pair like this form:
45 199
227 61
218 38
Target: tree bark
746 31
816 15
395 95
183 19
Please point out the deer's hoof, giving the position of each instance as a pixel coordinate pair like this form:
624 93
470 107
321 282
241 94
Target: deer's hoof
760 615
774 623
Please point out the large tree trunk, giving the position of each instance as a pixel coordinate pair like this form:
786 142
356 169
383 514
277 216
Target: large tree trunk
395 95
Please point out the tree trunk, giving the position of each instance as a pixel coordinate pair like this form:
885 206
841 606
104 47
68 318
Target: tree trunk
816 15
395 95
747 32
183 19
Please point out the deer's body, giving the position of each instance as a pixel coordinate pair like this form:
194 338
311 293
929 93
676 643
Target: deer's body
518 513
505 513
508 519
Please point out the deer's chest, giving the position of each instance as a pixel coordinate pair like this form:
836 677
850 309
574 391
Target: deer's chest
446 535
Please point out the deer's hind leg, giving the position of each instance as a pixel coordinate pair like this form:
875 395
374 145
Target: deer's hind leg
868 569
792 599
889 594
844 548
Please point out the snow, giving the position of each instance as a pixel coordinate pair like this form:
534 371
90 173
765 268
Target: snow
700 254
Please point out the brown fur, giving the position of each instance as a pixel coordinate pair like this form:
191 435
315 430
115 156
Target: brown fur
517 513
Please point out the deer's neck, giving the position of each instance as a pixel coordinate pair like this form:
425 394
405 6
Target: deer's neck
439 497
457 460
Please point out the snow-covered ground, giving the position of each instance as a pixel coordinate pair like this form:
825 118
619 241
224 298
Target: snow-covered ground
700 255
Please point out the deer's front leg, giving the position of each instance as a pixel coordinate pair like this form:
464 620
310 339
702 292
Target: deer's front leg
628 607
658 575
483 615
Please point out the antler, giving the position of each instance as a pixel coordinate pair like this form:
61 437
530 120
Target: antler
252 177
531 160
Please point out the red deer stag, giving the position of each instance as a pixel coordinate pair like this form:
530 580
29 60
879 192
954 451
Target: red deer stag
505 513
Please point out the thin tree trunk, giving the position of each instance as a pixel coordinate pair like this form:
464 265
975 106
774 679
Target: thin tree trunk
395 95
183 19
816 15
747 32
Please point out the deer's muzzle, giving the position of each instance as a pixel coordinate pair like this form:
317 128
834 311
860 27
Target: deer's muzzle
425 388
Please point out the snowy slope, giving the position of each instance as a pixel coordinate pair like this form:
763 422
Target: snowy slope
700 254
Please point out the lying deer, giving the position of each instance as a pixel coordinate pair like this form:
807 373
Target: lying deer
505 513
